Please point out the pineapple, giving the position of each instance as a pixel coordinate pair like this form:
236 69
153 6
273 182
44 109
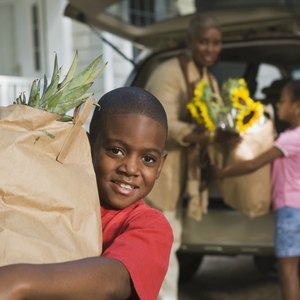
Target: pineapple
60 97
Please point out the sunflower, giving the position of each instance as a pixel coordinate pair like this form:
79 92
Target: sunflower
234 111
209 124
195 112
198 107
248 116
199 90
240 97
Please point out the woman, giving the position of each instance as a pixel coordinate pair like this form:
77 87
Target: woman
173 83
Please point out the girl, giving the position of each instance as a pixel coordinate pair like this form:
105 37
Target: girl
285 155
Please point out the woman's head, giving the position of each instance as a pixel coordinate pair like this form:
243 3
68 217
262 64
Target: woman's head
205 39
288 107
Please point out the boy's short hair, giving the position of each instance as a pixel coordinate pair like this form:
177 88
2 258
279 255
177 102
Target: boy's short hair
126 100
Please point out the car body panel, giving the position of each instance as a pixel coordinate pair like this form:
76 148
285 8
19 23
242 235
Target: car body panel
252 19
255 38
237 234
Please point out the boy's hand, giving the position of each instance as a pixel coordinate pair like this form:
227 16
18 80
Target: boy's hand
103 277
9 289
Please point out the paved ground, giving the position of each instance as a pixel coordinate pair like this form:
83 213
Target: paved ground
228 278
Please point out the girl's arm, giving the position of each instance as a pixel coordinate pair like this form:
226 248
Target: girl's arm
247 166
90 278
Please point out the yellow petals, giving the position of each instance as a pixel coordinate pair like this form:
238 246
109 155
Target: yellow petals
239 107
246 118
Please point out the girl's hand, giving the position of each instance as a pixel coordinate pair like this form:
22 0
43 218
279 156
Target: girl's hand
220 174
216 172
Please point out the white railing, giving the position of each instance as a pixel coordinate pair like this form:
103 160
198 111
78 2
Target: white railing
11 87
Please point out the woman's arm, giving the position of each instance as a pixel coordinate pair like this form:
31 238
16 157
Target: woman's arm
91 278
247 166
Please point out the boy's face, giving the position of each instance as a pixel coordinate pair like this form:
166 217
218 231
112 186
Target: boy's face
128 156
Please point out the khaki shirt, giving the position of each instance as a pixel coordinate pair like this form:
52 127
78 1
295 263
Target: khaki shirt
168 84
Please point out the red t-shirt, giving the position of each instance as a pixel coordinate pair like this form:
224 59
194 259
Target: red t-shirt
141 238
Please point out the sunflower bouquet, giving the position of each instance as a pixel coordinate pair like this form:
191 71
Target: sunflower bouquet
233 112
239 131
245 111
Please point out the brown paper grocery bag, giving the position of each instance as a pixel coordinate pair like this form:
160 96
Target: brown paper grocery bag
49 206
250 194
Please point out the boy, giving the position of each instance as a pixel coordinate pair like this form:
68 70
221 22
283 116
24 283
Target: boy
127 136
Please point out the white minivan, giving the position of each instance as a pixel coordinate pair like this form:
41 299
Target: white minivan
261 43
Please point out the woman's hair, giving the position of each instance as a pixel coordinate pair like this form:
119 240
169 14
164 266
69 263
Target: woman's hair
127 100
294 87
201 22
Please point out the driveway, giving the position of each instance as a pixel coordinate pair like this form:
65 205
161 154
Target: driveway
227 278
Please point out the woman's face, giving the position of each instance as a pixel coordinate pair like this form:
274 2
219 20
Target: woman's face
206 46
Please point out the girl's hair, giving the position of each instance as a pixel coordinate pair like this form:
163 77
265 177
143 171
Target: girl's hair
201 22
294 87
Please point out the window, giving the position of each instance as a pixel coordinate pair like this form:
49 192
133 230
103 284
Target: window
36 38
295 72
265 76
228 69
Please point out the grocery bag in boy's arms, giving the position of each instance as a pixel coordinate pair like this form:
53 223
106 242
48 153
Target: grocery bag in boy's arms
49 205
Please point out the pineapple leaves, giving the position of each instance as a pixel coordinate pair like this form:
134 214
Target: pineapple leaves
71 72
51 90
60 97
34 97
89 74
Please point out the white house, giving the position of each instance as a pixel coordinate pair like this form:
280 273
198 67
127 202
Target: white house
32 31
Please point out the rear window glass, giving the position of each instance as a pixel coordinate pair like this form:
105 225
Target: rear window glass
221 4
146 12
295 72
265 75
223 70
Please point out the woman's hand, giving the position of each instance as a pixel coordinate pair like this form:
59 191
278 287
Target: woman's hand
198 136
226 138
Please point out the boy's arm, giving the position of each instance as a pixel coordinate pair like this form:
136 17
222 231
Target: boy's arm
90 278
247 166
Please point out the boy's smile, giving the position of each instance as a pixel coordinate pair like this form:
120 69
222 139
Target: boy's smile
130 148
